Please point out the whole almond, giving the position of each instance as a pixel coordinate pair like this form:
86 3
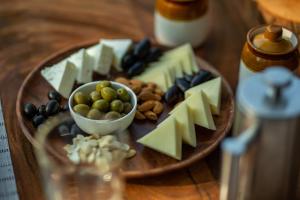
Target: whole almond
136 88
157 97
158 91
136 82
147 89
151 85
122 80
147 105
145 96
139 115
158 107
150 115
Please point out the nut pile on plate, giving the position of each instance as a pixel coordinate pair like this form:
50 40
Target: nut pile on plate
149 96
99 150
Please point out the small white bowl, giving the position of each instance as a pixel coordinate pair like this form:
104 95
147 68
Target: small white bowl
103 127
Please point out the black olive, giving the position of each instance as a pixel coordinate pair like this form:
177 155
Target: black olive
53 95
52 107
64 130
142 48
188 77
182 84
64 107
38 120
173 95
200 78
75 130
42 110
29 110
136 69
128 60
153 55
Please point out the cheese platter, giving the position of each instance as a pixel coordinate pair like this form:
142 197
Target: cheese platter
188 113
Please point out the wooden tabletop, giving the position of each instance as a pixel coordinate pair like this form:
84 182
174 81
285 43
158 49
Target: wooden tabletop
32 30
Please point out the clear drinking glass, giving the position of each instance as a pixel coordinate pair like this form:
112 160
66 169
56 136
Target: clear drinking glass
64 180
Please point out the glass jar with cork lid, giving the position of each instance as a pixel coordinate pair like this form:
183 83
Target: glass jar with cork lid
181 21
267 46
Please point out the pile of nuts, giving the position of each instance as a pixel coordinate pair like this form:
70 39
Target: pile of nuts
149 96
98 150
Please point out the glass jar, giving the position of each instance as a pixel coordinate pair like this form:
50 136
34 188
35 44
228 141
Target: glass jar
267 46
181 21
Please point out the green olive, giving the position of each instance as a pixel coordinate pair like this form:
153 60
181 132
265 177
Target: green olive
95 95
112 115
101 104
127 107
108 93
80 98
81 109
117 105
95 114
123 94
101 85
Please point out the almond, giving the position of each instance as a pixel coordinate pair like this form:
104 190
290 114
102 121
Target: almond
136 88
122 80
145 96
158 107
139 115
147 105
150 115
151 85
158 91
157 97
147 89
136 82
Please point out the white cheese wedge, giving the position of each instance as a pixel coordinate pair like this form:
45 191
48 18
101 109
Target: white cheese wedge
212 89
165 139
199 107
83 63
102 58
61 77
185 124
120 48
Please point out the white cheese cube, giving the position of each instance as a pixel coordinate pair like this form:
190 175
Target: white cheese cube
165 139
84 65
61 77
120 48
102 58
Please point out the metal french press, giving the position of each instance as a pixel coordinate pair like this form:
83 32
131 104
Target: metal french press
262 160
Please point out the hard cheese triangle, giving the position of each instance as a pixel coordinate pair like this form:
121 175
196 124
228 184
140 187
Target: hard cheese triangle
61 77
164 139
185 124
212 89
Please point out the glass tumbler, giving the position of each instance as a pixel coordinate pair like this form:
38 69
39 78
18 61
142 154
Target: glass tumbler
64 180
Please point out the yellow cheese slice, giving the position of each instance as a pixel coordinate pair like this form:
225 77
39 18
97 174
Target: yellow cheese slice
185 124
164 139
212 89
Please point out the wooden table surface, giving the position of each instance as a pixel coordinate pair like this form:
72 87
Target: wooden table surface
32 30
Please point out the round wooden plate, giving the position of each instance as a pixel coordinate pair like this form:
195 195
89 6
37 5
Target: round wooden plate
147 162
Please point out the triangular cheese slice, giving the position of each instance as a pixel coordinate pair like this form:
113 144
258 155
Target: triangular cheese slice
164 139
120 48
102 58
61 77
199 106
84 65
212 89
185 124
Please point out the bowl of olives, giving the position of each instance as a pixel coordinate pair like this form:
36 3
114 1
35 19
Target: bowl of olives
103 107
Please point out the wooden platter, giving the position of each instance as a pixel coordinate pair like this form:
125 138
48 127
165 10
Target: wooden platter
147 162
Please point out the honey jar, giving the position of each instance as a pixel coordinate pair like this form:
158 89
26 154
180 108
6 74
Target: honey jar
181 21
267 46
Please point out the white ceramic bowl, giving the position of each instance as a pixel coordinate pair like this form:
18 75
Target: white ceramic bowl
103 127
